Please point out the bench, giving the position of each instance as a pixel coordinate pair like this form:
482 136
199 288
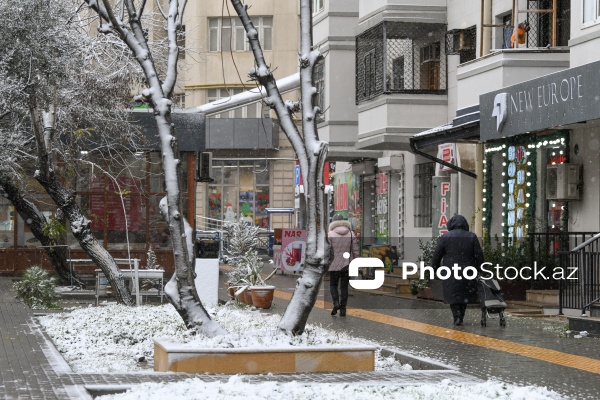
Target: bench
133 274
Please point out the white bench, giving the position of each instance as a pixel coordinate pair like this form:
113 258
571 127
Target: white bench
134 274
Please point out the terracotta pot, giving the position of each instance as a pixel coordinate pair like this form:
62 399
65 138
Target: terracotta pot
231 290
248 295
262 296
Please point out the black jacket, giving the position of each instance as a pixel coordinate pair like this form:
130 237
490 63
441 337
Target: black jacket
458 246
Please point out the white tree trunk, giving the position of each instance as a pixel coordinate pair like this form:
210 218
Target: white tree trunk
43 129
181 290
311 153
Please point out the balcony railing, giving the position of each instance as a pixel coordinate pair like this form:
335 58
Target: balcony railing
400 57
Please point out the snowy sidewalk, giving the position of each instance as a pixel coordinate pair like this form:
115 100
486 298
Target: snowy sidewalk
31 368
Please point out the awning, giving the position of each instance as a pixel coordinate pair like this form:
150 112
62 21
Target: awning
463 128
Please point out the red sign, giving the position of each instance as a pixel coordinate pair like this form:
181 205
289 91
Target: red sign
293 249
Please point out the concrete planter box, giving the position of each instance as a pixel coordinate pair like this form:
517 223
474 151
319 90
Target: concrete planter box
176 357
549 297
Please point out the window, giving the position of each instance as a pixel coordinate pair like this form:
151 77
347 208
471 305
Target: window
422 196
240 190
398 73
430 66
249 111
317 6
225 34
369 73
507 31
591 11
7 223
319 79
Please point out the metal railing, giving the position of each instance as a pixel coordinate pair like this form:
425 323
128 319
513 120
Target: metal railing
581 286
205 224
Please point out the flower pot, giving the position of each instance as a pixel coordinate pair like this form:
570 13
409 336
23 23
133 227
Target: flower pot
231 290
425 293
262 296
247 295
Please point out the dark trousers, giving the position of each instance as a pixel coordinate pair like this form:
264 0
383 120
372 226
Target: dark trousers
458 310
342 279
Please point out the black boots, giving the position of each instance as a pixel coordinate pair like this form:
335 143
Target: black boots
336 307
458 313
342 310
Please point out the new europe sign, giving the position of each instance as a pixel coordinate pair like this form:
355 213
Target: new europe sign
554 100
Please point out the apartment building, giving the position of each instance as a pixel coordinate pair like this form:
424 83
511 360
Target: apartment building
252 160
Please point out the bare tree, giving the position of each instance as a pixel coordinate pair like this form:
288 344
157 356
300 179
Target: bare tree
58 96
123 19
311 153
38 223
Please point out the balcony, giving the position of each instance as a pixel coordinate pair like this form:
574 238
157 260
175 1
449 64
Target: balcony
400 82
504 68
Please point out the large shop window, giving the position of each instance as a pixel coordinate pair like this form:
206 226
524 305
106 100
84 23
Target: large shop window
124 208
240 191
7 224
423 196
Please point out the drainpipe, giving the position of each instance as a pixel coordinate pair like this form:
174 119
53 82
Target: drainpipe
486 20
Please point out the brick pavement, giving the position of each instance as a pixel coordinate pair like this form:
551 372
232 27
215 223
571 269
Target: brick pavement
30 367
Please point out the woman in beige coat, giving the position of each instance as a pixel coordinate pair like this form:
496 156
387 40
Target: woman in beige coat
342 240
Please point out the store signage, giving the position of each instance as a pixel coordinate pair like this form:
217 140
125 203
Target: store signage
293 249
554 100
441 204
517 201
381 192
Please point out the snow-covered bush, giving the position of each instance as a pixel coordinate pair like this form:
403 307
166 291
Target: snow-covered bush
37 289
241 237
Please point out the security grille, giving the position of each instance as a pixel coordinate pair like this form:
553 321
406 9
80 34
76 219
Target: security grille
541 25
423 194
400 57
462 42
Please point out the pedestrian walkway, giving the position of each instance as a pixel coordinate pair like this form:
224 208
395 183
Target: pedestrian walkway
528 351
535 351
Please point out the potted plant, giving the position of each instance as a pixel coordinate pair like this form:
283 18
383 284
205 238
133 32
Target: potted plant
416 286
242 238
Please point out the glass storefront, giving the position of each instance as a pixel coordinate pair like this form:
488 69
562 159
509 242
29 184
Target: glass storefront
240 191
7 226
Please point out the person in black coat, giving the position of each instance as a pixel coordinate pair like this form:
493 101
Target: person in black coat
461 247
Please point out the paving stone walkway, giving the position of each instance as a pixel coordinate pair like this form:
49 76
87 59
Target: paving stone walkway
31 368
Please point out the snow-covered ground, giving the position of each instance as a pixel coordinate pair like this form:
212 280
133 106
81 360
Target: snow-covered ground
114 338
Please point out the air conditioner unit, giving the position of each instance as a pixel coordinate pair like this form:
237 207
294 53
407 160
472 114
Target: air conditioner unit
562 182
205 167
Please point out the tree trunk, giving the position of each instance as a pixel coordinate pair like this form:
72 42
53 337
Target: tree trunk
311 153
181 289
34 218
43 125
80 227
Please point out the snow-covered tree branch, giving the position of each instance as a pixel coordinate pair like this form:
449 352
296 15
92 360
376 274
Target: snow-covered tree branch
311 153
158 91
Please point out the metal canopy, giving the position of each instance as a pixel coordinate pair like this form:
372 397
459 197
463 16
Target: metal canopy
464 128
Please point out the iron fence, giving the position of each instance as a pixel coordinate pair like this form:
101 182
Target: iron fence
400 57
574 259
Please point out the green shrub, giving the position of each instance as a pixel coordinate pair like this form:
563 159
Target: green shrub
37 289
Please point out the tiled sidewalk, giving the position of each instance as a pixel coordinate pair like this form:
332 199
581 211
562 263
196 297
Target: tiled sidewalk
31 368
